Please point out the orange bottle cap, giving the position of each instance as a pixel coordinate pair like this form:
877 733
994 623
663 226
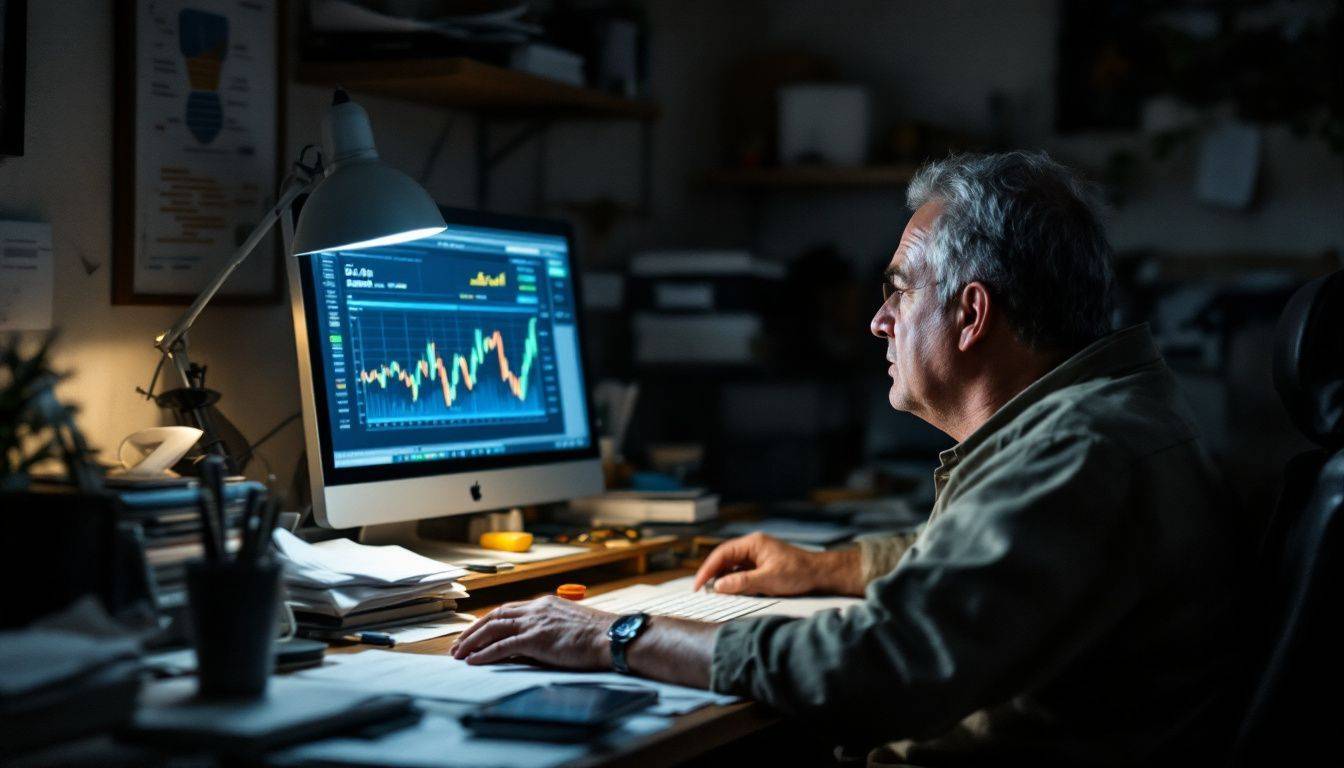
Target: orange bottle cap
571 591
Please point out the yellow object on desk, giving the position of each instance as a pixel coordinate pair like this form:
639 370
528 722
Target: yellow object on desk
507 541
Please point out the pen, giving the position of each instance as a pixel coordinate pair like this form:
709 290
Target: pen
488 568
249 530
370 638
208 538
268 517
212 506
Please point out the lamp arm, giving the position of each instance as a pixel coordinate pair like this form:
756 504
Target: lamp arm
296 186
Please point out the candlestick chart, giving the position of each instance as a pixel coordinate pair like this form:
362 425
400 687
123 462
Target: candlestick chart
418 369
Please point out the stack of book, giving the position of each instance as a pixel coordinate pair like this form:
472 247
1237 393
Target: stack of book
168 522
339 585
66 676
684 512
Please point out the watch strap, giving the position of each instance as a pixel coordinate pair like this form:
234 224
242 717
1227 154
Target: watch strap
620 642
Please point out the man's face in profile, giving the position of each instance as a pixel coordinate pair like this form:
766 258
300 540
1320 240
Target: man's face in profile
913 321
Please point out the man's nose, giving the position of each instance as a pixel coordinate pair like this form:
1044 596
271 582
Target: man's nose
881 324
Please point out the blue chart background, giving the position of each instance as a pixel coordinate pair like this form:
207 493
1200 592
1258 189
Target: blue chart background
383 336
373 307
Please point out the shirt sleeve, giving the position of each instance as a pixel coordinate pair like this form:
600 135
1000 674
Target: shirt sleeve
1020 571
879 554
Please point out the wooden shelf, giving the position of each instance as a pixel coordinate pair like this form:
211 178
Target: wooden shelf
808 176
635 556
470 84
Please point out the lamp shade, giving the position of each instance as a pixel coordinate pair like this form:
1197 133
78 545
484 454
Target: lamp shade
361 203
365 204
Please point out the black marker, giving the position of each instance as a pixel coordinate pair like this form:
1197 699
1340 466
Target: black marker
487 568
370 638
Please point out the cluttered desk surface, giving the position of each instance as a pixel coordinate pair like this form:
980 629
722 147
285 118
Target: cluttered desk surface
335 585
684 723
687 736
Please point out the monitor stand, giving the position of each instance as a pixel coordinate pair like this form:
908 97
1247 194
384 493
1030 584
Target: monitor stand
435 538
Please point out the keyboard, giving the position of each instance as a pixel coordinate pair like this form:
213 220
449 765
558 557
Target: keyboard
701 606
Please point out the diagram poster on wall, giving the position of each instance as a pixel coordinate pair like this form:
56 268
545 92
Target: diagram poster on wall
198 147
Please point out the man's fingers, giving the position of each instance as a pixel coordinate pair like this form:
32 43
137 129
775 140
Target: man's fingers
492 632
505 611
476 625
515 645
739 583
723 558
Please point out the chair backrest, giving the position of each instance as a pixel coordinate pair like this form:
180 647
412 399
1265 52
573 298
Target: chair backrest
1299 638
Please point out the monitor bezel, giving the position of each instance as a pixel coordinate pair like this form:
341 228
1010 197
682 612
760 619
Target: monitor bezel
344 476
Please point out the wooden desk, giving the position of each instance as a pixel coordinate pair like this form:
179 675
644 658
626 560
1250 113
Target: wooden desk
690 735
634 559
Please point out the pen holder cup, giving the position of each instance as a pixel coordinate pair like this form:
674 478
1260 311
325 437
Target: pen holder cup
233 610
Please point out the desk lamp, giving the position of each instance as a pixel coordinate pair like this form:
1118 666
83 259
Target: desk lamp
355 202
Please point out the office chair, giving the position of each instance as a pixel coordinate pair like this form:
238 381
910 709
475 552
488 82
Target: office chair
1292 712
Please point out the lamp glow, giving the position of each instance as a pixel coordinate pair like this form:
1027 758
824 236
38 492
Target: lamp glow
400 237
356 202
361 200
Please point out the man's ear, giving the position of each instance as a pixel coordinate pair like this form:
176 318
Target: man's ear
973 309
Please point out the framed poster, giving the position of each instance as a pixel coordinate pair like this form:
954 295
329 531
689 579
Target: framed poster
198 137
13 67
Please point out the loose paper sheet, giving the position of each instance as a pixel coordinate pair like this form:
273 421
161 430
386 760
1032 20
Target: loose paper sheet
26 276
440 741
443 677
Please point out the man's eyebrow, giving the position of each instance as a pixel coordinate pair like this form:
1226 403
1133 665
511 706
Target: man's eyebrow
893 273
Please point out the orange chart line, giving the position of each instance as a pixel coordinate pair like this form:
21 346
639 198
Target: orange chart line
460 370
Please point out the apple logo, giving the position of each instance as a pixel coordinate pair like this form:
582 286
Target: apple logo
476 492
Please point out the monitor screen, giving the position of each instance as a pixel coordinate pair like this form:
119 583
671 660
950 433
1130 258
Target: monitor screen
457 351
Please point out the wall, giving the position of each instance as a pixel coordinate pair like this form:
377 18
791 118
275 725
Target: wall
65 178
934 61
939 62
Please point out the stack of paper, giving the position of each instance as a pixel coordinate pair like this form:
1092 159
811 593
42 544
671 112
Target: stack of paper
338 578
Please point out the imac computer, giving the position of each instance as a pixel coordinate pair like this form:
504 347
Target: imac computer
445 375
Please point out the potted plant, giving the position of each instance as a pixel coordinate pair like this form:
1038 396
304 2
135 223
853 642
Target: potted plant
36 429
62 523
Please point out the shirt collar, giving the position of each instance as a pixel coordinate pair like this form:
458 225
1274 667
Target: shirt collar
1110 355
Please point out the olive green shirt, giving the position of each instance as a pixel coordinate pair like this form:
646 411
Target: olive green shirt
1067 602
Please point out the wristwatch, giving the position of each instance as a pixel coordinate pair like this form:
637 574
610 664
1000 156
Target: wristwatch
623 632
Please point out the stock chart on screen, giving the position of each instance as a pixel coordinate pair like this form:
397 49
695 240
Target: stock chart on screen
459 345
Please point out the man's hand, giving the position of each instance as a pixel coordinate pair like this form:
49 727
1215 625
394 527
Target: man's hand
549 630
760 565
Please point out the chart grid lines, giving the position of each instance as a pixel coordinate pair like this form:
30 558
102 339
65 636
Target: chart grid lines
427 369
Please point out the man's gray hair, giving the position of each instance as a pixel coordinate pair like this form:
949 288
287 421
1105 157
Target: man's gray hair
1031 231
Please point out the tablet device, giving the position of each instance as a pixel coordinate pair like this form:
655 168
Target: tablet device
559 712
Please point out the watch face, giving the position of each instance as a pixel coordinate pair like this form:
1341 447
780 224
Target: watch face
626 627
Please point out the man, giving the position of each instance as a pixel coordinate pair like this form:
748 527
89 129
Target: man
1068 600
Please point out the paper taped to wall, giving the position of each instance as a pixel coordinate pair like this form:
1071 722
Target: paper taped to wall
26 276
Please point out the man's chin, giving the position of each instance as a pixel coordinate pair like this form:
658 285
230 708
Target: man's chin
899 399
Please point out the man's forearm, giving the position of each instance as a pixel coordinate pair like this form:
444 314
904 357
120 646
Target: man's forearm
674 650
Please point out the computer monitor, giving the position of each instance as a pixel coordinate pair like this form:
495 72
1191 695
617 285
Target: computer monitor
444 375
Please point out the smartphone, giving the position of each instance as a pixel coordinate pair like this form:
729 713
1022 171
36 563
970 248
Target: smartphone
559 712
